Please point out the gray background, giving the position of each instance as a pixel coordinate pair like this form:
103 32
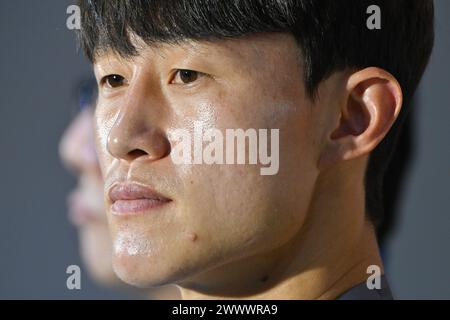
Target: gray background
419 249
40 65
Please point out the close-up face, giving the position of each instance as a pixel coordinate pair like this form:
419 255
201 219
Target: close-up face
224 150
169 220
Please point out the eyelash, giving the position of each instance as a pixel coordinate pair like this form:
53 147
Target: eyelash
180 72
106 80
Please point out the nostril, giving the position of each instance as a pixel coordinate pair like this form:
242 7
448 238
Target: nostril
136 153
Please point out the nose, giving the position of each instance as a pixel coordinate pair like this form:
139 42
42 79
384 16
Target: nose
136 133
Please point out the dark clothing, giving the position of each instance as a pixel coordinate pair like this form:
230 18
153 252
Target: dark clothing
362 292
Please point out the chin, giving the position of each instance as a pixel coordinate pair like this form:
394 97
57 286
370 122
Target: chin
148 254
141 271
159 269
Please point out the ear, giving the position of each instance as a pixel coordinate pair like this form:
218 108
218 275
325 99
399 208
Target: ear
372 102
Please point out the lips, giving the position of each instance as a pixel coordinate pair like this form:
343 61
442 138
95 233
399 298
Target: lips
131 199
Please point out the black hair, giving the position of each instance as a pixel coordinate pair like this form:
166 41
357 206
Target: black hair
332 36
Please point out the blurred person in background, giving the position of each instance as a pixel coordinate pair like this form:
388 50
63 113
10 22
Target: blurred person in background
85 202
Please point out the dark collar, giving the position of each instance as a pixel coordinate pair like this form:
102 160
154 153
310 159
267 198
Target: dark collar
362 292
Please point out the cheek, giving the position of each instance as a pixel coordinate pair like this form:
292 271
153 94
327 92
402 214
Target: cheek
234 206
225 208
238 212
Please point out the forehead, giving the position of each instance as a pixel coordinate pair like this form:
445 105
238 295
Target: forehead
255 48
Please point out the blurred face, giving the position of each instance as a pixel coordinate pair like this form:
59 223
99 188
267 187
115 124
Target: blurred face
172 221
86 208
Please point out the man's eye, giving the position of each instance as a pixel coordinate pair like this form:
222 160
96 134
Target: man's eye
113 81
183 76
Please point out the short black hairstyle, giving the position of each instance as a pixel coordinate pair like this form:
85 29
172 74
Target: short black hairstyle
332 36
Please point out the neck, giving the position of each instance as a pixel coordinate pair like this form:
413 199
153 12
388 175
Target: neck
329 255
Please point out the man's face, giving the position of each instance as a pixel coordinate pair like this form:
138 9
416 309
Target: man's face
216 213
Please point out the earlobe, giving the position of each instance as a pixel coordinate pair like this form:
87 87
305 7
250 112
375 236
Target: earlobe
373 103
